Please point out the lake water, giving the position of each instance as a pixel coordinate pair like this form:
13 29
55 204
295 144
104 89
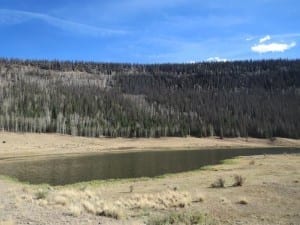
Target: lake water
72 169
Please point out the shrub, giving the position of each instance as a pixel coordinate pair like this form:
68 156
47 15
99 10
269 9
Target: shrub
243 202
181 218
219 183
238 181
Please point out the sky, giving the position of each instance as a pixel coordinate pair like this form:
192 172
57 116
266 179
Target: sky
150 31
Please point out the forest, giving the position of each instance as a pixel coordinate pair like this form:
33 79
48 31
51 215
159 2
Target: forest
226 99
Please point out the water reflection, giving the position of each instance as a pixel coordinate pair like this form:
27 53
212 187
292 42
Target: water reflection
60 171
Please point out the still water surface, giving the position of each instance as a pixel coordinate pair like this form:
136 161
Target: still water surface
68 170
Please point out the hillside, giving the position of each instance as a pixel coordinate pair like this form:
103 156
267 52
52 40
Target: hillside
232 99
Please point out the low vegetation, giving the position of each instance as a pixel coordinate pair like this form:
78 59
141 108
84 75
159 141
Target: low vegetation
41 194
238 181
78 201
185 218
162 200
198 198
219 183
111 212
243 201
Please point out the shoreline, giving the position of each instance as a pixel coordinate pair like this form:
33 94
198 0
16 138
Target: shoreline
24 145
273 201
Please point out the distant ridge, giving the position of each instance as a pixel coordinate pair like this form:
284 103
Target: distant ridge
228 99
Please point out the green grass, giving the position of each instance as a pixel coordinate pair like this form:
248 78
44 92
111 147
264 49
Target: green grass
97 183
209 167
10 179
229 161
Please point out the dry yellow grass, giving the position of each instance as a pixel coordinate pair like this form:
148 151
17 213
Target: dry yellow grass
79 201
198 197
74 210
7 222
163 200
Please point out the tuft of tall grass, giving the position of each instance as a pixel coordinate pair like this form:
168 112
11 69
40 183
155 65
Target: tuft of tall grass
111 212
186 218
41 194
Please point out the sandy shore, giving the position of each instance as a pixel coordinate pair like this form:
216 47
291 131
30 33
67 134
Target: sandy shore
269 196
28 144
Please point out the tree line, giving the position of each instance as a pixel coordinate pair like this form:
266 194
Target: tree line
227 99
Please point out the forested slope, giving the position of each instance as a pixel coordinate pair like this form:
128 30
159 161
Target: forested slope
243 98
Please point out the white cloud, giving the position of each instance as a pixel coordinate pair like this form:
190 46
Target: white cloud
15 16
272 47
216 59
264 39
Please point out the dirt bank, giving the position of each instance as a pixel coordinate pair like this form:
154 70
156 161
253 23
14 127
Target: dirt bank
27 144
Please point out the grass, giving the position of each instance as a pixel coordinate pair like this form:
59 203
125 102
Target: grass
89 207
208 168
131 188
185 218
7 222
74 210
79 201
60 200
229 161
252 162
111 212
11 179
159 201
98 183
198 198
41 194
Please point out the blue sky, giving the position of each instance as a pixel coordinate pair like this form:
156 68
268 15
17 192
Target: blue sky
150 31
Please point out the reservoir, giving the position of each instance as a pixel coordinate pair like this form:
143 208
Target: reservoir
63 170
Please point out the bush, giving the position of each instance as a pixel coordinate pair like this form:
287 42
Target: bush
239 181
243 202
219 183
181 218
